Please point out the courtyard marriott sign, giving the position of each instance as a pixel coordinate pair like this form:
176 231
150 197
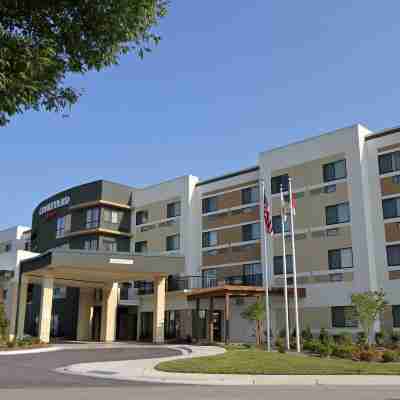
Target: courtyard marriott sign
54 204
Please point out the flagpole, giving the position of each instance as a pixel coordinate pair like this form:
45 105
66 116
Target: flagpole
296 303
285 271
266 278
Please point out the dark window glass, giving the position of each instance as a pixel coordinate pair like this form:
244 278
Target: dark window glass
141 247
278 264
142 217
337 214
393 255
396 316
340 258
277 181
343 317
391 208
210 239
277 224
174 209
209 204
389 162
250 232
335 170
173 242
250 195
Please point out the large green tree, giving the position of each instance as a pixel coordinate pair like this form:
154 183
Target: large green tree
41 41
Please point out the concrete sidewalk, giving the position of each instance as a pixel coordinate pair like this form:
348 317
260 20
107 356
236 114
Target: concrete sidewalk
144 371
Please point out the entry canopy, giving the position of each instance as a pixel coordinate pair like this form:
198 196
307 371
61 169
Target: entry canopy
91 268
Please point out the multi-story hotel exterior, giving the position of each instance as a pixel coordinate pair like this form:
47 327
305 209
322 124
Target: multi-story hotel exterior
203 238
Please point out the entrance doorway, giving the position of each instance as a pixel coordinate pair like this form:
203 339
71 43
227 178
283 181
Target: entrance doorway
126 323
217 324
96 323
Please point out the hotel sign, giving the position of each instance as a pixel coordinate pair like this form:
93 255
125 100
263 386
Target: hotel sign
54 204
120 261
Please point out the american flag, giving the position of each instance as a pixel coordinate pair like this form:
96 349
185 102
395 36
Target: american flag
267 216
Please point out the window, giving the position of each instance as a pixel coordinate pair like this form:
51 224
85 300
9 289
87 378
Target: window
59 292
60 230
277 224
252 269
393 255
174 209
173 242
391 208
90 244
142 217
250 195
109 245
112 216
210 239
334 170
277 181
344 317
92 218
396 316
340 258
5 247
337 214
209 278
250 232
396 180
389 162
141 247
209 204
278 264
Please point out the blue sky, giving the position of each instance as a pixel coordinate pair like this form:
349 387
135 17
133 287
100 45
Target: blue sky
230 79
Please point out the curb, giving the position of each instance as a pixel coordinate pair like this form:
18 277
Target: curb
144 371
30 351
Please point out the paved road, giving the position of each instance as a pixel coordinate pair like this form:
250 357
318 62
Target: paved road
31 377
36 370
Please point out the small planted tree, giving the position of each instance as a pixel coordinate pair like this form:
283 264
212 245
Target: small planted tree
368 306
3 323
256 312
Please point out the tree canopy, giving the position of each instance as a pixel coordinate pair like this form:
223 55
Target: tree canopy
42 41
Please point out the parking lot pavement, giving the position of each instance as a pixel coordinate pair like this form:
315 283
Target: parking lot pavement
37 370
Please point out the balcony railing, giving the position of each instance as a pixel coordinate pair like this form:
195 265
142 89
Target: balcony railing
245 280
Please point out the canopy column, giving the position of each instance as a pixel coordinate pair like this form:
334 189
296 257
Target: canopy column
23 296
159 310
45 309
109 313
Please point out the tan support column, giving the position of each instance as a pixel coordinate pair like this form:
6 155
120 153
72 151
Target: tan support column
23 297
13 305
211 321
45 309
227 318
84 314
159 310
109 313
138 325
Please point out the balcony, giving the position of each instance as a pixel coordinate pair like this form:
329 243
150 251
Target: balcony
245 280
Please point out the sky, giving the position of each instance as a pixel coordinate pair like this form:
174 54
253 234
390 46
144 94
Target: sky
229 80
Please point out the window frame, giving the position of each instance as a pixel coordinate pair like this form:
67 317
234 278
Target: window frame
277 181
340 251
175 207
88 244
386 202
250 233
141 217
206 242
250 195
289 265
142 243
113 244
347 323
92 218
205 204
170 239
382 158
336 207
333 164
388 256
396 315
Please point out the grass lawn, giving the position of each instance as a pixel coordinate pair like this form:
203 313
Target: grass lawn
253 361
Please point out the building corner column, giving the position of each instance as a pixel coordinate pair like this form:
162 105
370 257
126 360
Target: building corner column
109 313
159 310
45 309
84 314
20 303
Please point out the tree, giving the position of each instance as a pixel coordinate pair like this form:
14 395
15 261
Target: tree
368 306
3 323
43 41
256 312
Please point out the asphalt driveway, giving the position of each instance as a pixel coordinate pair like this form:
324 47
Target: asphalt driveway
37 370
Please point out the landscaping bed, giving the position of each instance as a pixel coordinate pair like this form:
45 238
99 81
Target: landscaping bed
23 344
259 362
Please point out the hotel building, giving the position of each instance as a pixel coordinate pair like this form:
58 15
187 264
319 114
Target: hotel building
182 259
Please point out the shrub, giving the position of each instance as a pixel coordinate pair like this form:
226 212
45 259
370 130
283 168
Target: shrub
323 336
380 338
324 349
3 322
361 338
343 351
368 355
344 338
11 344
280 345
395 337
389 356
306 334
